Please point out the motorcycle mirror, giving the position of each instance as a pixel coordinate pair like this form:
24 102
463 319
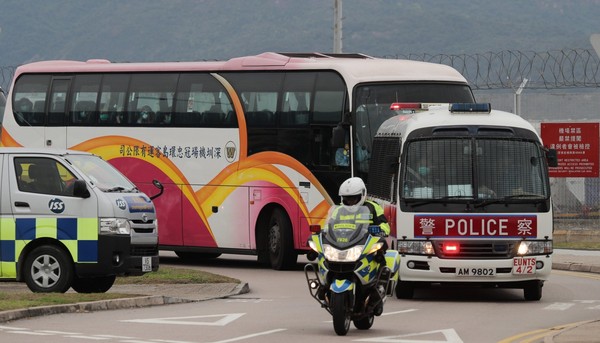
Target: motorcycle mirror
315 228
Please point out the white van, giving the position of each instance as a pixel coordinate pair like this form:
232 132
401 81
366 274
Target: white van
70 219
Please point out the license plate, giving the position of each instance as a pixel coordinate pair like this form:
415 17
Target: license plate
523 265
475 271
146 263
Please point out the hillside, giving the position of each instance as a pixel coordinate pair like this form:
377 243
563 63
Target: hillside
160 30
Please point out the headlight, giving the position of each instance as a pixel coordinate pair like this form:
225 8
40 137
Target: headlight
415 247
349 255
375 247
534 248
118 226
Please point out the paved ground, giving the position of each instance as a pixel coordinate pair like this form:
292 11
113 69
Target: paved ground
153 295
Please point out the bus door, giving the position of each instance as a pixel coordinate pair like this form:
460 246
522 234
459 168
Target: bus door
56 130
5 215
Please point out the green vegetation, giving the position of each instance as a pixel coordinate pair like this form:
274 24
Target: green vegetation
10 300
174 275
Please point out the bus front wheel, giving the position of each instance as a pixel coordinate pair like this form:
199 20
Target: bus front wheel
281 241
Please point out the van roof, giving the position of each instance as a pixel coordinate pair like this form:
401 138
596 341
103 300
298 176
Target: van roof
42 151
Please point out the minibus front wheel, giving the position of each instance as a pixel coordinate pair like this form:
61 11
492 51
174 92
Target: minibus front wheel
48 269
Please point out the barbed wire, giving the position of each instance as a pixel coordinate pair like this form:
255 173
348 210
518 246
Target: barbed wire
558 69
569 68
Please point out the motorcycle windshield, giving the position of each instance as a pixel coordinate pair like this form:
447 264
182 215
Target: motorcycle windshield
347 227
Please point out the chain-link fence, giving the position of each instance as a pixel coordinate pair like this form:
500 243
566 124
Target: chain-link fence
561 86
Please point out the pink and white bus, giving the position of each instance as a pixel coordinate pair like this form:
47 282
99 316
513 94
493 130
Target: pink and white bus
250 151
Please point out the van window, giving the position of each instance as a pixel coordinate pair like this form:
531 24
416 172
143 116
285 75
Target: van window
44 176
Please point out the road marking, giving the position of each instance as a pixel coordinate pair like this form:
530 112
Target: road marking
33 333
225 319
59 332
535 335
93 338
559 306
250 336
248 300
399 312
449 336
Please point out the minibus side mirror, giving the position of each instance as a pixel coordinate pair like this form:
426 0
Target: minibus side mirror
552 158
80 189
391 164
338 136
160 187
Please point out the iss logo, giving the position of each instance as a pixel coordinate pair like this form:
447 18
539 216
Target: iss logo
56 205
121 204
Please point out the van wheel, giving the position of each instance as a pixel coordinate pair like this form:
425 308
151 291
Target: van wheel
280 241
533 290
48 269
405 290
99 284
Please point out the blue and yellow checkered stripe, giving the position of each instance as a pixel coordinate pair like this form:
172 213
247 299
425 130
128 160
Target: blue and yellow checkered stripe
79 235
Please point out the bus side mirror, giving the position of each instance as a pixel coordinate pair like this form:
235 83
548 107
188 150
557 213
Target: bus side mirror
391 164
80 189
552 158
338 136
160 187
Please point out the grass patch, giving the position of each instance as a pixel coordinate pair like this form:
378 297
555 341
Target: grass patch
11 300
173 275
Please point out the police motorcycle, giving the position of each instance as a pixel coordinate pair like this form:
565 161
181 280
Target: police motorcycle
353 276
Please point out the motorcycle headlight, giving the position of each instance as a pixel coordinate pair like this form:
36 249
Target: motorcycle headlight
349 255
375 247
534 248
118 226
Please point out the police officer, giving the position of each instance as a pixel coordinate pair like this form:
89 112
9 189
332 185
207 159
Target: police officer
354 193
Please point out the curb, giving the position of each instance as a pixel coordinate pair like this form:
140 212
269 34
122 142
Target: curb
576 267
113 304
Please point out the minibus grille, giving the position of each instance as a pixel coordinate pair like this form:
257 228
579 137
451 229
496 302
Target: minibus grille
144 250
479 250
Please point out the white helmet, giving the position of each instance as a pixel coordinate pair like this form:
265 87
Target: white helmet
353 193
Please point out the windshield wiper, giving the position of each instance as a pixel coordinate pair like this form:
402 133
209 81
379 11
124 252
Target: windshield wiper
115 189
416 202
507 199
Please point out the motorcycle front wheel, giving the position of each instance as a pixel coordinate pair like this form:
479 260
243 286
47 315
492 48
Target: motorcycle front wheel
341 317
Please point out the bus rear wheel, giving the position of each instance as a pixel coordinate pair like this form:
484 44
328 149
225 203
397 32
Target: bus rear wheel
281 241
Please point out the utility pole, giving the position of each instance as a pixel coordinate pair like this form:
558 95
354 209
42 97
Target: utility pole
337 26
518 97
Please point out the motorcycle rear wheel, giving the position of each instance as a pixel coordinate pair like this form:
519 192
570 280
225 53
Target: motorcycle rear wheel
341 317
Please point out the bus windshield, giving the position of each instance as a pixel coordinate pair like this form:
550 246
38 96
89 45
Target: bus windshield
481 170
2 105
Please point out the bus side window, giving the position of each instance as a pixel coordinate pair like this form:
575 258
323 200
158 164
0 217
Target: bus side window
83 113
